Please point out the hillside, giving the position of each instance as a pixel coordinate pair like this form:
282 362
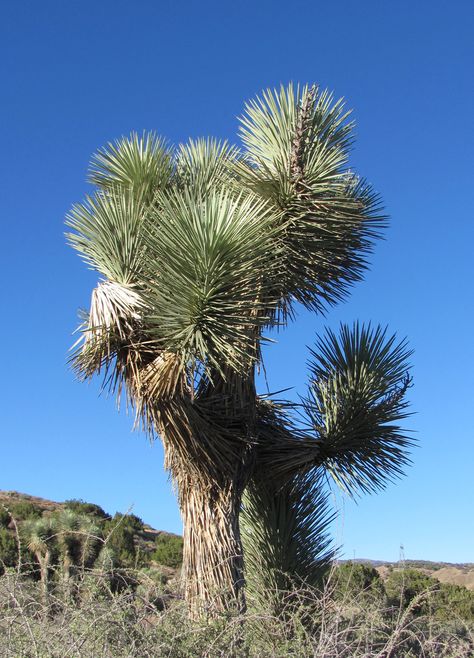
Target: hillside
9 498
130 534
444 572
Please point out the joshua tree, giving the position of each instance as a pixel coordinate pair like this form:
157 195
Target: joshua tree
77 538
40 534
202 249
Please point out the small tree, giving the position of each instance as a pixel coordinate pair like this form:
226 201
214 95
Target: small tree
77 539
120 533
40 536
168 550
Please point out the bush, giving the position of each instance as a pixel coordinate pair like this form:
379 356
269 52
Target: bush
25 510
169 550
81 507
454 602
4 518
353 579
8 550
128 625
404 585
120 535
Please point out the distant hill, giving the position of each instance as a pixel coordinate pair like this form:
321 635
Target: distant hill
445 572
9 498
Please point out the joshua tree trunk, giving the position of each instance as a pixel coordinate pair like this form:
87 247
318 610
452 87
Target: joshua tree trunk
44 561
209 454
66 578
212 557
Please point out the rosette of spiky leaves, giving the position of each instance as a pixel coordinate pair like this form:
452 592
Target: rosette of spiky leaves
77 538
297 143
140 164
108 232
212 253
39 535
285 531
355 404
205 164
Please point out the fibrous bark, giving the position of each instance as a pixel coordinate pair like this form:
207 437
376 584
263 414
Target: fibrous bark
212 568
207 438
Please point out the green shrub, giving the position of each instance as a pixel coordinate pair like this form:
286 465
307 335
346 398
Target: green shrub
404 585
153 623
81 507
169 550
120 533
25 510
8 549
354 580
453 602
4 518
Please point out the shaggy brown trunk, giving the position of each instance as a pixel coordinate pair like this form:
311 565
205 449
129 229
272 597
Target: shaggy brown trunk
207 435
66 578
212 556
44 562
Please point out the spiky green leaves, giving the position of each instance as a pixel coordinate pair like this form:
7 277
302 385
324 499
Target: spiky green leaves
355 403
210 255
39 534
140 164
205 164
295 132
109 231
108 234
297 143
77 536
285 534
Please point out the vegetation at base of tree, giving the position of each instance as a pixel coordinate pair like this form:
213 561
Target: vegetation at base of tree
169 550
148 619
117 546
71 583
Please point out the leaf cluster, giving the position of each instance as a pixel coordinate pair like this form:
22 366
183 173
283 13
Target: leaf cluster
204 246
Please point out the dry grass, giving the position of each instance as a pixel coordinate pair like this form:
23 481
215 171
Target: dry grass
128 624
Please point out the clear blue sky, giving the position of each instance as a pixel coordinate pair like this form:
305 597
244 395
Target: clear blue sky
77 74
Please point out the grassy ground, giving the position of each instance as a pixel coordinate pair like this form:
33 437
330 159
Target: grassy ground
146 622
